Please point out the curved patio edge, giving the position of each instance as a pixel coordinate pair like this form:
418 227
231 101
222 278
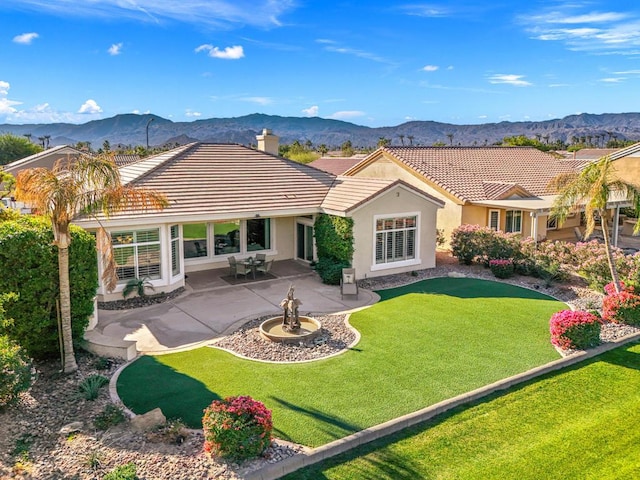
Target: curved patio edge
315 455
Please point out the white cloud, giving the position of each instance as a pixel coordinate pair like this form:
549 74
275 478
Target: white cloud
330 47
217 13
509 79
4 87
430 68
191 113
25 38
425 10
229 53
613 79
612 32
115 49
258 100
90 107
311 111
344 114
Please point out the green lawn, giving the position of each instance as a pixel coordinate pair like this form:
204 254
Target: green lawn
447 337
579 423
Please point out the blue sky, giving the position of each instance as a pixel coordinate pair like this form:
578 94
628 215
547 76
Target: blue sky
370 62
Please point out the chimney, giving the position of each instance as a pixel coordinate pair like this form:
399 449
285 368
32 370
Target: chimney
268 142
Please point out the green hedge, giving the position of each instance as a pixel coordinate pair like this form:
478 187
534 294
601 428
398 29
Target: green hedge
334 244
28 253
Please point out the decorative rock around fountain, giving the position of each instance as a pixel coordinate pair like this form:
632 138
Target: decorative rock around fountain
291 327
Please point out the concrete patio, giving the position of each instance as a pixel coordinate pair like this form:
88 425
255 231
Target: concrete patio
210 308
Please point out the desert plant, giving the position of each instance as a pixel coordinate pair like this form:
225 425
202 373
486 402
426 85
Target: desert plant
90 387
16 371
575 330
138 285
237 428
94 460
111 415
128 471
501 268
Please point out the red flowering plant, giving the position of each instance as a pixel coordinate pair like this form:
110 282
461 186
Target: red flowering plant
501 268
623 307
237 428
575 330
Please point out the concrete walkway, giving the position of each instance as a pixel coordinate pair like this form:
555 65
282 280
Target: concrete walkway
210 308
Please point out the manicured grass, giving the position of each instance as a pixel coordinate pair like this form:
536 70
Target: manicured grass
580 423
416 350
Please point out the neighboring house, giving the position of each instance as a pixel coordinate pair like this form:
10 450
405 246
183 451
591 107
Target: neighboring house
46 158
337 165
591 154
505 188
122 159
226 199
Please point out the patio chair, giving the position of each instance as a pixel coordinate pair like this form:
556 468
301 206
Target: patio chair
348 284
264 267
244 268
261 257
233 266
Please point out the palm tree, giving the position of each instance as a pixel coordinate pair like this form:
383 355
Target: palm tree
410 137
47 138
450 137
82 185
401 139
591 189
27 135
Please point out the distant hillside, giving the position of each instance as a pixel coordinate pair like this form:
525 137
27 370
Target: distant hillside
131 129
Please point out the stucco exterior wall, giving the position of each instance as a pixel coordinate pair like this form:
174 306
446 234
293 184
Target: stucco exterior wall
628 169
448 217
397 202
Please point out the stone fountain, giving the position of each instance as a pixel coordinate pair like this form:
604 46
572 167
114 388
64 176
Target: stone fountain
291 327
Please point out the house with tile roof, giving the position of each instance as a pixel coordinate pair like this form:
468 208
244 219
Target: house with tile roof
337 165
229 200
505 188
47 159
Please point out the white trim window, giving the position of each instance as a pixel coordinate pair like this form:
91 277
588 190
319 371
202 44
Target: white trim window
494 219
396 239
137 254
552 223
513 221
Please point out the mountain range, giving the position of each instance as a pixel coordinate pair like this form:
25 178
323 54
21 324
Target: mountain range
132 129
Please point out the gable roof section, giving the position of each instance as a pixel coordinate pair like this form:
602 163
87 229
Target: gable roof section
501 190
350 193
226 181
46 158
464 171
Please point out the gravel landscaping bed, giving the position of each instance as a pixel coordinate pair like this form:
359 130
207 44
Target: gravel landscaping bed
33 426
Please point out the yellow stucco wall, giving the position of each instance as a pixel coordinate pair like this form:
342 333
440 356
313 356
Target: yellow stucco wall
628 169
397 202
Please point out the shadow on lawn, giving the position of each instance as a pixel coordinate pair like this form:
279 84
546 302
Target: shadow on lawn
463 288
336 427
148 383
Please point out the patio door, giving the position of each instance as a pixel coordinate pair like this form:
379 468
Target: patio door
304 242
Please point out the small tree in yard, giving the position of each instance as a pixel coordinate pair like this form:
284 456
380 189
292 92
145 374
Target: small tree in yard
83 185
591 189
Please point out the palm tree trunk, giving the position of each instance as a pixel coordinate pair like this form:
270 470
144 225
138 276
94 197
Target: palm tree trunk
607 245
70 364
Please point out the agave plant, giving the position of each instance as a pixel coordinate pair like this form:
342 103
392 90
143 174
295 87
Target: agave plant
138 285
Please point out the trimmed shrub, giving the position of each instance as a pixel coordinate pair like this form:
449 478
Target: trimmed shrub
501 268
330 270
128 471
575 330
464 243
623 307
471 243
27 251
16 372
237 428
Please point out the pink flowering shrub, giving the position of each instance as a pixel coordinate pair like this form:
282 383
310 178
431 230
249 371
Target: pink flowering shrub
623 307
501 268
471 243
575 330
464 243
237 428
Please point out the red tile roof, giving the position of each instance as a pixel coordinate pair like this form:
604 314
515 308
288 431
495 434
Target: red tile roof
336 165
465 172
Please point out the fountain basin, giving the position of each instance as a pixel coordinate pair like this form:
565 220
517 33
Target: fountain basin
271 329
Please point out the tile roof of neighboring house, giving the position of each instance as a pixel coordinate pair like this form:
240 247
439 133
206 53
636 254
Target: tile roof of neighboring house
336 165
47 158
464 171
624 152
224 180
122 159
593 153
349 193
